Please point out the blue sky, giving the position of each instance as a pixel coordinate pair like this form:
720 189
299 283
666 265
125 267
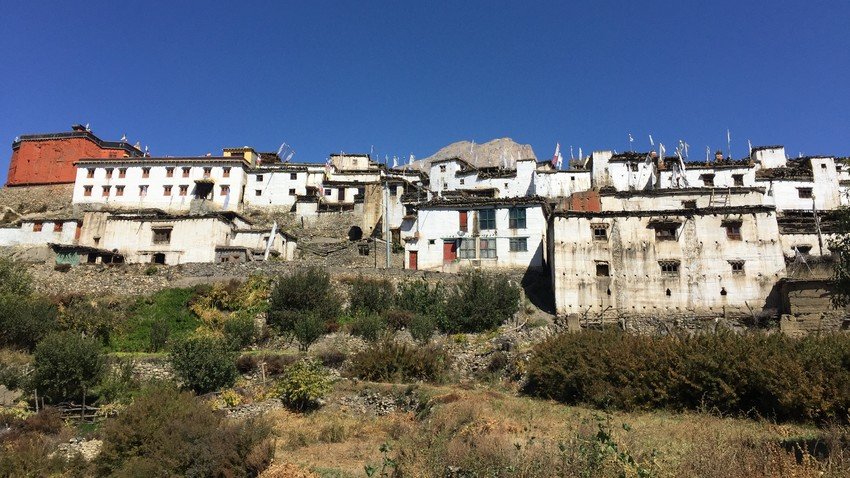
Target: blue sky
411 77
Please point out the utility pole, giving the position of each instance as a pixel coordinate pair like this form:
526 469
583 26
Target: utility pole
817 224
387 217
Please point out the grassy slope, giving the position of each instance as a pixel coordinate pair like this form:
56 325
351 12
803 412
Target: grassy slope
169 305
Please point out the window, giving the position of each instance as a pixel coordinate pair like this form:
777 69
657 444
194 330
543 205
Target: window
600 232
804 193
225 172
487 219
186 172
292 192
803 249
57 227
119 190
166 190
445 186
143 190
37 226
431 242
146 172
207 172
516 218
462 181
823 166
225 190
633 167
463 220
733 230
488 248
443 168
258 192
466 250
602 269
87 190
518 244
108 173
738 179
259 178
184 190
737 267
162 235
328 192
105 192
669 267
691 204
293 176
666 232
169 172
122 172
707 179
90 173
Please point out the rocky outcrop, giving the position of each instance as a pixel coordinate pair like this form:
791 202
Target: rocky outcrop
495 153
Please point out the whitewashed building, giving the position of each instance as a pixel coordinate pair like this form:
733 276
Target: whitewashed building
32 231
450 234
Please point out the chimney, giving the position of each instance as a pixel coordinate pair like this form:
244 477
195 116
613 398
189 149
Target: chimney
718 156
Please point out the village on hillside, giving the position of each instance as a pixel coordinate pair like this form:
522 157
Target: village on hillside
629 233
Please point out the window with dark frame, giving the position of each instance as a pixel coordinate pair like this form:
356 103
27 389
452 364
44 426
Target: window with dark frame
733 230
87 190
119 190
466 248
162 235
738 179
463 219
37 226
146 172
487 247
225 172
442 168
804 193
258 192
707 180
225 190
737 267
518 244
486 219
143 190
169 172
666 232
669 267
292 191
166 190
600 232
186 172
57 227
602 269
109 173
259 178
207 172
184 190
292 176
105 192
689 204
90 173
122 173
516 218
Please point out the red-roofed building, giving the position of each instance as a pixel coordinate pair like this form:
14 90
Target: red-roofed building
49 158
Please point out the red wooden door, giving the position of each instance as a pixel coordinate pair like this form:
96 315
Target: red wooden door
449 251
414 260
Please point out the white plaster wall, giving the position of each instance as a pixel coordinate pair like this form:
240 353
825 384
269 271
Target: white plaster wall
25 235
673 200
192 240
636 283
274 187
257 240
723 176
156 181
786 194
770 158
560 184
443 225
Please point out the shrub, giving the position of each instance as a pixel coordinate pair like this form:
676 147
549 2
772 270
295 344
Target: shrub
203 363
373 296
159 334
14 279
391 361
332 358
87 316
480 302
368 325
275 364
770 375
422 327
307 328
66 366
304 384
119 383
420 298
301 292
240 331
24 321
398 319
170 433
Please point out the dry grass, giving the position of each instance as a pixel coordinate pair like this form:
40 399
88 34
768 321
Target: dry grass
483 432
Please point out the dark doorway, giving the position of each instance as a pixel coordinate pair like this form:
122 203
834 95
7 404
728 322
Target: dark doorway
158 258
355 233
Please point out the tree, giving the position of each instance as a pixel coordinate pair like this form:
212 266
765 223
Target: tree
303 292
204 363
840 247
66 366
24 321
480 302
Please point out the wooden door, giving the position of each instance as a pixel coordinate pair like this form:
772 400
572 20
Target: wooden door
414 260
449 251
463 221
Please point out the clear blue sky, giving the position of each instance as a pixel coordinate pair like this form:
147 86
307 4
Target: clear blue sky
411 77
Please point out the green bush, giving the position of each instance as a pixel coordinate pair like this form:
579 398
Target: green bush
25 320
119 383
391 361
240 331
304 384
14 279
307 328
303 292
420 298
422 328
770 375
371 296
159 333
398 319
368 325
203 363
170 433
67 366
480 301
89 317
